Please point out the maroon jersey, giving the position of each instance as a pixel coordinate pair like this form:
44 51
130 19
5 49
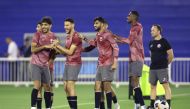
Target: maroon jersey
107 47
75 58
135 41
41 58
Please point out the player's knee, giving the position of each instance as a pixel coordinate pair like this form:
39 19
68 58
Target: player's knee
166 86
46 87
97 86
37 86
153 88
134 82
107 86
70 86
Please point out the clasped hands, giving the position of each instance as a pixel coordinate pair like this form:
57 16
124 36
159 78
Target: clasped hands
53 45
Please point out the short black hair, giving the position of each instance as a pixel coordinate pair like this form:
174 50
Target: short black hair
69 20
100 19
47 19
39 23
158 27
136 14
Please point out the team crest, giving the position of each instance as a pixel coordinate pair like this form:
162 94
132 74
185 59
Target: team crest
51 41
159 45
151 45
101 38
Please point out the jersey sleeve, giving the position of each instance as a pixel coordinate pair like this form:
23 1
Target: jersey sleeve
76 41
36 38
134 34
113 44
167 45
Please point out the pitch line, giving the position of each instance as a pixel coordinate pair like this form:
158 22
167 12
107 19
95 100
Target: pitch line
82 104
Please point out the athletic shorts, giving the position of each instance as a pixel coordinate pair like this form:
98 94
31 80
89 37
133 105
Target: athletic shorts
160 74
71 72
104 73
40 73
135 68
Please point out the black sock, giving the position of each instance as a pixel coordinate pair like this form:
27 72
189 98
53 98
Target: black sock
136 99
34 95
138 94
169 102
97 99
47 97
51 99
109 100
69 101
152 103
102 105
39 103
72 102
114 98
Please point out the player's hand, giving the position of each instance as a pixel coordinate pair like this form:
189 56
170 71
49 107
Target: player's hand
55 42
83 37
114 66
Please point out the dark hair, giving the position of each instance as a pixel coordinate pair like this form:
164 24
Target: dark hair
158 27
100 19
39 23
70 20
136 14
46 19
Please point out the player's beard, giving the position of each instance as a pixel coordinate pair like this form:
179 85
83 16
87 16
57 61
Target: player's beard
45 30
97 29
68 31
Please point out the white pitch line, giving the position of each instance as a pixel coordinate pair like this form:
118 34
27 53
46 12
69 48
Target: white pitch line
82 104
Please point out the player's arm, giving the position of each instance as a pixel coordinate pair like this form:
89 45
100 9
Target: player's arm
89 48
83 37
64 50
115 51
57 50
170 55
35 48
117 37
133 35
34 45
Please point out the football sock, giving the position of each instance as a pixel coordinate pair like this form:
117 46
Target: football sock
34 95
39 103
138 94
97 99
109 100
47 97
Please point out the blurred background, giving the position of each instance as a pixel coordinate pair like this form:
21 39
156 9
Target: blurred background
18 20
18 17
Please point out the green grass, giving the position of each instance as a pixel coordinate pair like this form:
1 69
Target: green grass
19 98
